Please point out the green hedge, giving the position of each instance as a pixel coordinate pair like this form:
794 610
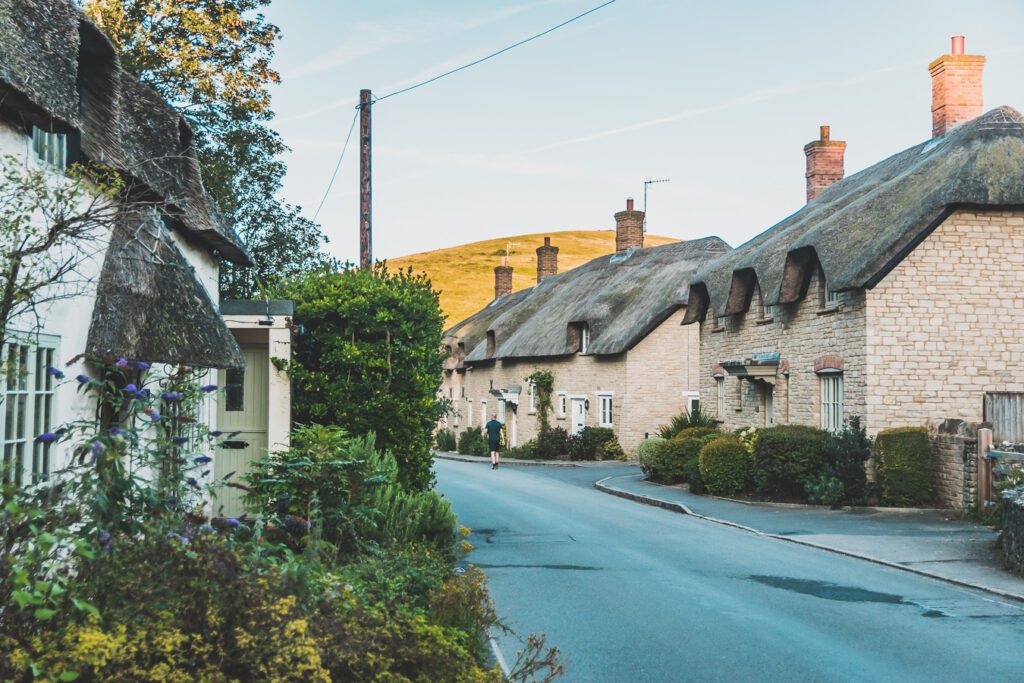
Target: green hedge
787 458
445 440
646 454
472 442
725 466
552 443
905 466
666 461
587 444
691 468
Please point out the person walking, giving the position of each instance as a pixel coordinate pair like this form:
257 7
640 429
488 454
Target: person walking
493 429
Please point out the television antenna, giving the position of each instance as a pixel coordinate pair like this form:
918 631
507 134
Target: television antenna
648 183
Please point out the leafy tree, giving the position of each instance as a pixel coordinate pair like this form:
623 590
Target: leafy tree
211 59
370 359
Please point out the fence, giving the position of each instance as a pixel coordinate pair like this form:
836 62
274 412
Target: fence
1005 412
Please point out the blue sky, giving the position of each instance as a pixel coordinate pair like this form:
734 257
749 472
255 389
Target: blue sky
720 97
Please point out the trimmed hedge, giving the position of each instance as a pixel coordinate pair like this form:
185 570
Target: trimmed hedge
905 466
586 444
552 443
666 462
693 476
472 442
646 454
787 458
445 440
725 466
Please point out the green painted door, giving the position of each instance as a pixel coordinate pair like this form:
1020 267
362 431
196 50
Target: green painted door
242 409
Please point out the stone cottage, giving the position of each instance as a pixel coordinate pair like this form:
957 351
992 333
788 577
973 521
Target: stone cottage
609 331
893 294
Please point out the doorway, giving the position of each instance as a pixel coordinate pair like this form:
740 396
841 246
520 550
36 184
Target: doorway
579 414
242 414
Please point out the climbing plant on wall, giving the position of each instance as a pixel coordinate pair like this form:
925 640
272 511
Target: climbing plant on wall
543 383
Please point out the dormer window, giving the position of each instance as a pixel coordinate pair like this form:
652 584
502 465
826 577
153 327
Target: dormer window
827 299
831 298
584 338
50 148
490 344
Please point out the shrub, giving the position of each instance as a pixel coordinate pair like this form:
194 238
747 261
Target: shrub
826 490
905 466
725 466
668 456
685 420
402 517
845 454
472 442
611 450
697 432
584 446
446 440
646 454
691 469
552 443
786 458
526 451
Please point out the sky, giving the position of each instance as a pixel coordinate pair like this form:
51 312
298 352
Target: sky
718 97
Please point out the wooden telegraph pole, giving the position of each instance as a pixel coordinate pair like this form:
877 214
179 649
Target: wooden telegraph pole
365 182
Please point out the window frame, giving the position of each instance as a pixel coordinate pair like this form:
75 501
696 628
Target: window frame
584 338
50 149
563 403
720 396
831 389
33 409
533 397
606 409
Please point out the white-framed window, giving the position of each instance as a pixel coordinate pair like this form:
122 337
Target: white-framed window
691 401
768 392
720 396
469 412
483 412
533 398
606 414
563 403
831 298
501 410
584 338
769 311
50 148
28 407
831 385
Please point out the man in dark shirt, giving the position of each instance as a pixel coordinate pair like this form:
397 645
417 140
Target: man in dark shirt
493 430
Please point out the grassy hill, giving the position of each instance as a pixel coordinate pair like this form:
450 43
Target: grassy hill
465 274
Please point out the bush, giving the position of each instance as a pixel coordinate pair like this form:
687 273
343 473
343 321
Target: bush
686 420
786 458
402 517
691 469
905 466
584 446
611 450
826 490
845 454
725 466
552 443
646 454
526 451
472 442
667 458
446 440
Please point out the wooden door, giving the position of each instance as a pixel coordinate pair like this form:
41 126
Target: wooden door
242 409
579 415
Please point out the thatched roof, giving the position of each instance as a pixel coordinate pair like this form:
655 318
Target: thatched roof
466 335
58 71
864 225
620 297
150 306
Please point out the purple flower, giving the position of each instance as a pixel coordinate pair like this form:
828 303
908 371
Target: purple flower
154 416
131 389
140 365
97 448
232 522
84 379
206 528
116 431
55 372
203 460
172 502
121 363
45 437
171 396
216 432
193 483
179 440
208 388
228 475
105 538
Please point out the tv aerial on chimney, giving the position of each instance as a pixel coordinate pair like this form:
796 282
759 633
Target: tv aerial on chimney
648 183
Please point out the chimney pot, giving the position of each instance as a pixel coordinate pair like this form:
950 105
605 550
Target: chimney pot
547 241
547 260
823 134
502 279
629 228
958 45
629 204
956 88
824 162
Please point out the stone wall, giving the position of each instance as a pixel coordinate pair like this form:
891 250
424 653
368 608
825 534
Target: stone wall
944 326
802 334
1013 528
954 451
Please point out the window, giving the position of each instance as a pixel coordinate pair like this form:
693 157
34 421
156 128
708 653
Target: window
720 396
483 412
28 409
234 390
769 312
563 401
533 398
606 410
50 148
827 298
469 412
831 298
501 410
831 401
584 338
768 392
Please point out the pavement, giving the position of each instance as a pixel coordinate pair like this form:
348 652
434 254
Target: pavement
518 462
634 592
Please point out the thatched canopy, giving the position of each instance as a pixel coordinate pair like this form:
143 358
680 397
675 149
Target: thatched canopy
621 298
150 307
466 335
861 227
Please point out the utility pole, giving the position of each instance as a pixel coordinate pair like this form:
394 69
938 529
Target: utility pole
648 183
365 182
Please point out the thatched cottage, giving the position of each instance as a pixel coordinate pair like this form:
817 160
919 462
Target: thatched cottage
152 292
894 294
609 331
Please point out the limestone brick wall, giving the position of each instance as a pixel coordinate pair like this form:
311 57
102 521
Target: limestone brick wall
807 336
954 452
944 326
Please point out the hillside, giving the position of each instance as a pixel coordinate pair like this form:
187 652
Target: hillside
465 274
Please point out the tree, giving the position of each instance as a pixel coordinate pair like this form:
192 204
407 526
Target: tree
370 359
211 59
50 225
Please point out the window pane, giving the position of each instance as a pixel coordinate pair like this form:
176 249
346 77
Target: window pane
234 391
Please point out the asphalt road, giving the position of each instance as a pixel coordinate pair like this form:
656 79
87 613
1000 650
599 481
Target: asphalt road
634 593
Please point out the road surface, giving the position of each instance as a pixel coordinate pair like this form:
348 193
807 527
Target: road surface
630 592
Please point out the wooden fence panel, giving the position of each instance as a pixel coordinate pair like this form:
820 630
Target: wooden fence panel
1005 410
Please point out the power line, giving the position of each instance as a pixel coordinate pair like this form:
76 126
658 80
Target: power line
495 54
337 165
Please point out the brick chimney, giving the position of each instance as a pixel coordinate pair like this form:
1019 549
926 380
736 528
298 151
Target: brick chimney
956 88
547 260
629 228
824 163
502 278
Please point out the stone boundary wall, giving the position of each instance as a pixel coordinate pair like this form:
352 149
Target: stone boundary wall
1013 528
954 455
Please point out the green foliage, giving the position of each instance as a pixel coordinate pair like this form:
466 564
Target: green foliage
543 382
646 454
412 517
748 435
905 466
552 443
826 490
686 420
445 440
370 360
786 458
611 450
472 442
694 479
586 444
524 451
845 454
725 466
664 460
